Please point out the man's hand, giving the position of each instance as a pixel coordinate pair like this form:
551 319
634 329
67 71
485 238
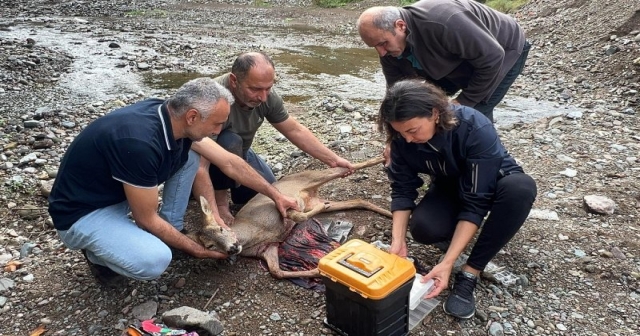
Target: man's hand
209 254
454 102
340 162
223 221
440 275
284 203
386 153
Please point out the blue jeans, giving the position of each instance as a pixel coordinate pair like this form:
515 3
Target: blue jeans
240 194
501 90
112 239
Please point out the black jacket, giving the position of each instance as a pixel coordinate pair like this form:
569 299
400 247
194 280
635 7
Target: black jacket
469 157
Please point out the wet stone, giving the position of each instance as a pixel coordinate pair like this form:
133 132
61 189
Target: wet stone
46 187
26 249
68 124
348 107
495 329
618 254
46 143
29 212
145 311
275 317
31 123
180 283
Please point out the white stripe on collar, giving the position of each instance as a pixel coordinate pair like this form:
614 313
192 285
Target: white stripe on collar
164 127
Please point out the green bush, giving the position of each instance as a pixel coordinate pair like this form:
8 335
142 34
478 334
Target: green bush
406 2
332 3
505 6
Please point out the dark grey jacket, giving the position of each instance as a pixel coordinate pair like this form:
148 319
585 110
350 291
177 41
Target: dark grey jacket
461 42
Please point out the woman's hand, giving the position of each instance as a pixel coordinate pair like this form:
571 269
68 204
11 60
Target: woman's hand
399 248
386 153
440 275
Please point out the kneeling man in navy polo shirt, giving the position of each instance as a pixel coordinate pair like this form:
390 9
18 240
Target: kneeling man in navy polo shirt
114 167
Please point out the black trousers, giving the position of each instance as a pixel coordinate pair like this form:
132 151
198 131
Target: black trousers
501 90
435 217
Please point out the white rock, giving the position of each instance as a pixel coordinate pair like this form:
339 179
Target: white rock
6 284
5 258
618 147
569 172
574 115
345 129
565 158
28 158
543 214
600 204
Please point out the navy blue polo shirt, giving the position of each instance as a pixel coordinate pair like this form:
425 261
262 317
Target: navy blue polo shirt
132 145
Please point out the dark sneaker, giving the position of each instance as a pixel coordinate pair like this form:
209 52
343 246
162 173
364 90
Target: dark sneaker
105 276
461 303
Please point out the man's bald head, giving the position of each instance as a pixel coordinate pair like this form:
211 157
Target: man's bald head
380 17
383 29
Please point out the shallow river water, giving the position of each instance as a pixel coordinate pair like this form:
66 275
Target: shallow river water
304 71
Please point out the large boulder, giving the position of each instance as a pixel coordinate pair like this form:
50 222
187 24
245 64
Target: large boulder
191 319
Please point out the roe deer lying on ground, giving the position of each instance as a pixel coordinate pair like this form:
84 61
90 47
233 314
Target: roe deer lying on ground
258 228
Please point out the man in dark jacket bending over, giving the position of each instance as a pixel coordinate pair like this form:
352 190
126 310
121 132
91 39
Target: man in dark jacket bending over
455 44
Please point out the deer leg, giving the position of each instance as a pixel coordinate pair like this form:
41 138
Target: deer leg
356 204
298 216
368 163
270 255
333 173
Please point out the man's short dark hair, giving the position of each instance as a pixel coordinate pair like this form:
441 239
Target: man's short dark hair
246 61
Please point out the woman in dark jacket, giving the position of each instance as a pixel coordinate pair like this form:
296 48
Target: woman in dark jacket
471 173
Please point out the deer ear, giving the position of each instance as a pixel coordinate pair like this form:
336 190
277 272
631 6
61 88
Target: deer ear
204 205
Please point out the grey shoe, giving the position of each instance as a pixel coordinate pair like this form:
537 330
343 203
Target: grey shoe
461 302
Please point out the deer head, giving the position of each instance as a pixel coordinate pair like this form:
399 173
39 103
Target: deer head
215 237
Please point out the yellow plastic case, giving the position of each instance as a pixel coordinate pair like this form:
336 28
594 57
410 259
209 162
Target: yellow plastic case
365 269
